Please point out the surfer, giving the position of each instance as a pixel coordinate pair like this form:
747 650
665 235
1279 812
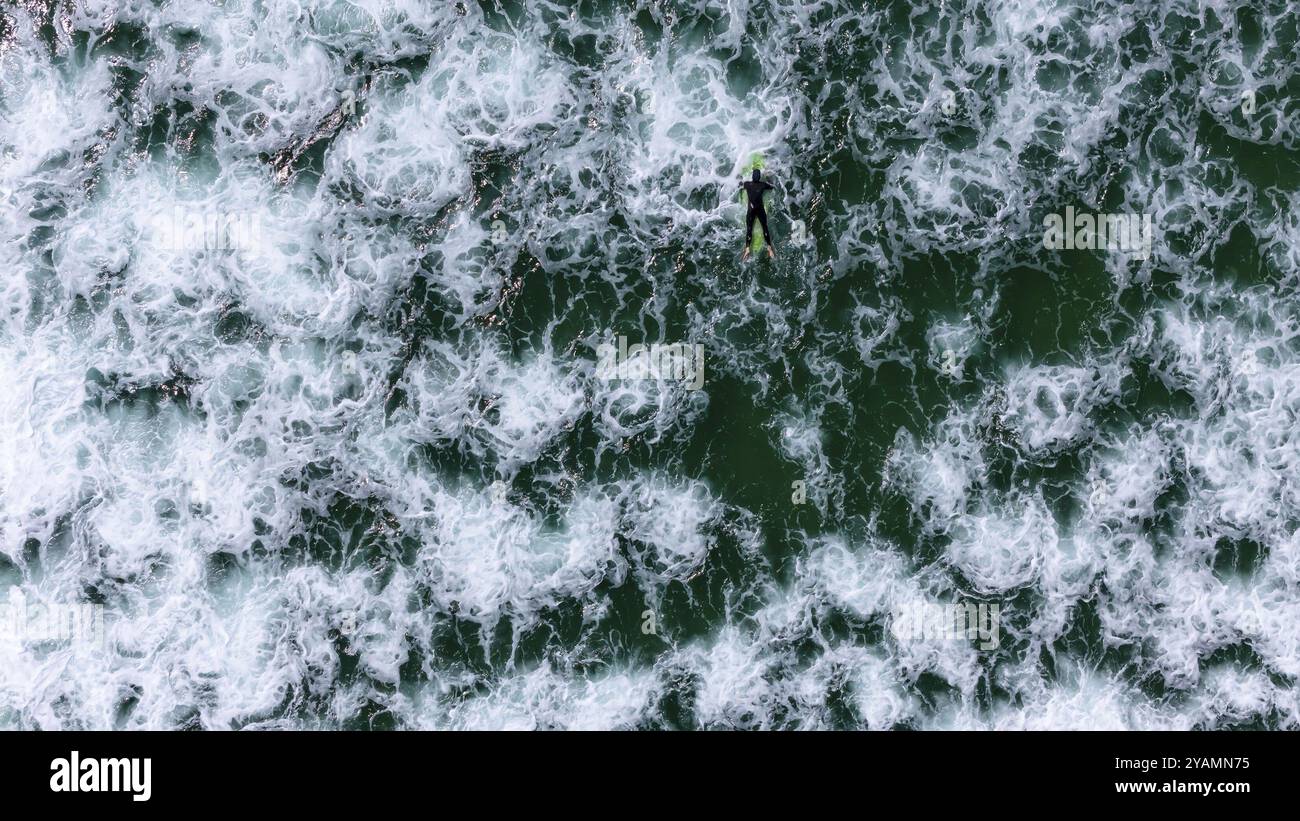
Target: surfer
754 196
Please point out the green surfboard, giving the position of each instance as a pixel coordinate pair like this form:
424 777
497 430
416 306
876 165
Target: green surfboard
756 241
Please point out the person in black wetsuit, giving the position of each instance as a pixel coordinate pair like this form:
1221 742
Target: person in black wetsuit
754 195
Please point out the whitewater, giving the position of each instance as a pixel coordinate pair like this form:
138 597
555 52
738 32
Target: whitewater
384 364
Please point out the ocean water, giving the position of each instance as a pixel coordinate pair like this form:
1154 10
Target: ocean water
321 405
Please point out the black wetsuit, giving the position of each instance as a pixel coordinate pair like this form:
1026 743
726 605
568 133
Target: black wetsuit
754 194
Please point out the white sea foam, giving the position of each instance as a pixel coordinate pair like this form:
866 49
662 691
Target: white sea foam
310 474
1049 407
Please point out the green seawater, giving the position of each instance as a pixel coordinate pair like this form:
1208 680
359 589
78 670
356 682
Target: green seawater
918 149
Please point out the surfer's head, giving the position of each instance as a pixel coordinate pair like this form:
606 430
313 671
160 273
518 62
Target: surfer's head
757 175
